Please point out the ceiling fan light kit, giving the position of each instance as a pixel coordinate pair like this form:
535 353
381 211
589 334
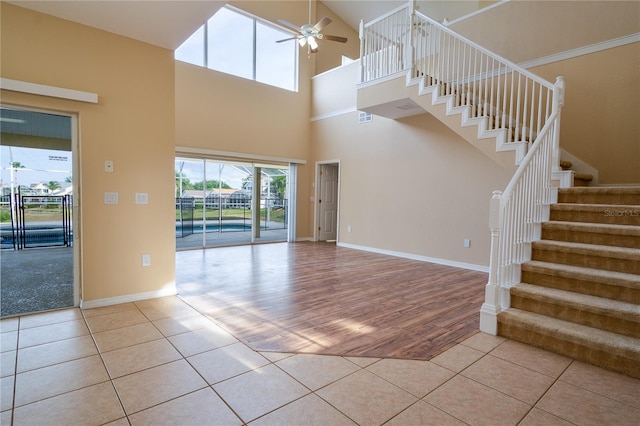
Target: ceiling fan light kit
309 35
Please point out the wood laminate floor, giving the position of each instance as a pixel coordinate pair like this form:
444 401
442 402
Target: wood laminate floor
323 299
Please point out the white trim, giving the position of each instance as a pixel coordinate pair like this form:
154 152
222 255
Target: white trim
477 12
402 73
236 155
353 61
169 290
44 90
580 51
463 265
335 113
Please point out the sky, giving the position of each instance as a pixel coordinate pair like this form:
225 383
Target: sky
230 43
40 165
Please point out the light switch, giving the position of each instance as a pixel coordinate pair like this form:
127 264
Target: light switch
142 198
111 198
108 166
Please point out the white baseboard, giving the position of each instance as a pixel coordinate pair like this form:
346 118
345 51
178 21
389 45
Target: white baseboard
446 262
300 239
169 290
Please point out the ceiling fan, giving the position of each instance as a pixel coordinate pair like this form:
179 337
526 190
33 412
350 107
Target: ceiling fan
309 35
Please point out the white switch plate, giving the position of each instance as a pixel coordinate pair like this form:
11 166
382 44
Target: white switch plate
467 243
146 260
111 198
108 166
142 198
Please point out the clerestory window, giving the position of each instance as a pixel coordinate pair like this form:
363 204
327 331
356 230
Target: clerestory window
236 43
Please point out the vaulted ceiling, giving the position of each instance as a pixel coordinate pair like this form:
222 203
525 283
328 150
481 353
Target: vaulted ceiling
168 23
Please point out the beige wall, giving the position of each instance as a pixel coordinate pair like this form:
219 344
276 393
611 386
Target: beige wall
522 30
132 124
221 112
600 122
330 53
410 185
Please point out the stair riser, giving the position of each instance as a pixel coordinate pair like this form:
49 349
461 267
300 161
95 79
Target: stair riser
600 238
622 294
558 309
580 351
615 216
629 266
596 198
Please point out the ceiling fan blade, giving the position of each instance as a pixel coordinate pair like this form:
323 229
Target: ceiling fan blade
322 23
286 39
289 25
334 38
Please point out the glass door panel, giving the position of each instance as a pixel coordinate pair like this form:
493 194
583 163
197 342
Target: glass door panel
273 202
226 203
189 195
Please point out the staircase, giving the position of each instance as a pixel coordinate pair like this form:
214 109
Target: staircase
564 277
580 294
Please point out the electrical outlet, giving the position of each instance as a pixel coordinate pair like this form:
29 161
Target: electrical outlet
146 260
467 243
349 228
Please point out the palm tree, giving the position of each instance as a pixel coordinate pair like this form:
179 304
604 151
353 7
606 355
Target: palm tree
53 185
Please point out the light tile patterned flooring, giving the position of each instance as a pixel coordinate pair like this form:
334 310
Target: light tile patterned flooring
161 362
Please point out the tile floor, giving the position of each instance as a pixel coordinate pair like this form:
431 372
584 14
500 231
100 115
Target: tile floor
161 362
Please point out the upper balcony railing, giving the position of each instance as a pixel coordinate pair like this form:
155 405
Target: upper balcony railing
489 87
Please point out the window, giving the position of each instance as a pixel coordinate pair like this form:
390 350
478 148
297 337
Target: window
245 46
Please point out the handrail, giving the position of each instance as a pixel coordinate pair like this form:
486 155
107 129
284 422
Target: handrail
484 50
516 100
514 222
520 105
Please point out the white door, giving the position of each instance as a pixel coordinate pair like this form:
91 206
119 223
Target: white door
328 202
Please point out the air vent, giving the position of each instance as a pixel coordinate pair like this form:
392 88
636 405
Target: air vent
365 117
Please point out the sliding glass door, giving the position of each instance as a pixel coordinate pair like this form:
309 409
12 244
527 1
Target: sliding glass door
228 203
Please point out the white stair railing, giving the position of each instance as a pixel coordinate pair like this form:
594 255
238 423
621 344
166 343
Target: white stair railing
384 43
515 216
508 98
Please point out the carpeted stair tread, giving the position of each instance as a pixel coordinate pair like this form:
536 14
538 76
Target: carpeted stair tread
609 228
620 214
592 233
627 253
610 258
615 195
597 207
583 273
597 305
577 332
599 347
565 165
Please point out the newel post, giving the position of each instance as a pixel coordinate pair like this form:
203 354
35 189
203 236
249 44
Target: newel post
491 306
558 103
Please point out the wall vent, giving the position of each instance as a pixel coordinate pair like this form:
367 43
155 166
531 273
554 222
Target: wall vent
364 117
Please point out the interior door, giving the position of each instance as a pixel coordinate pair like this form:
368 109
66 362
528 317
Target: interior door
328 202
